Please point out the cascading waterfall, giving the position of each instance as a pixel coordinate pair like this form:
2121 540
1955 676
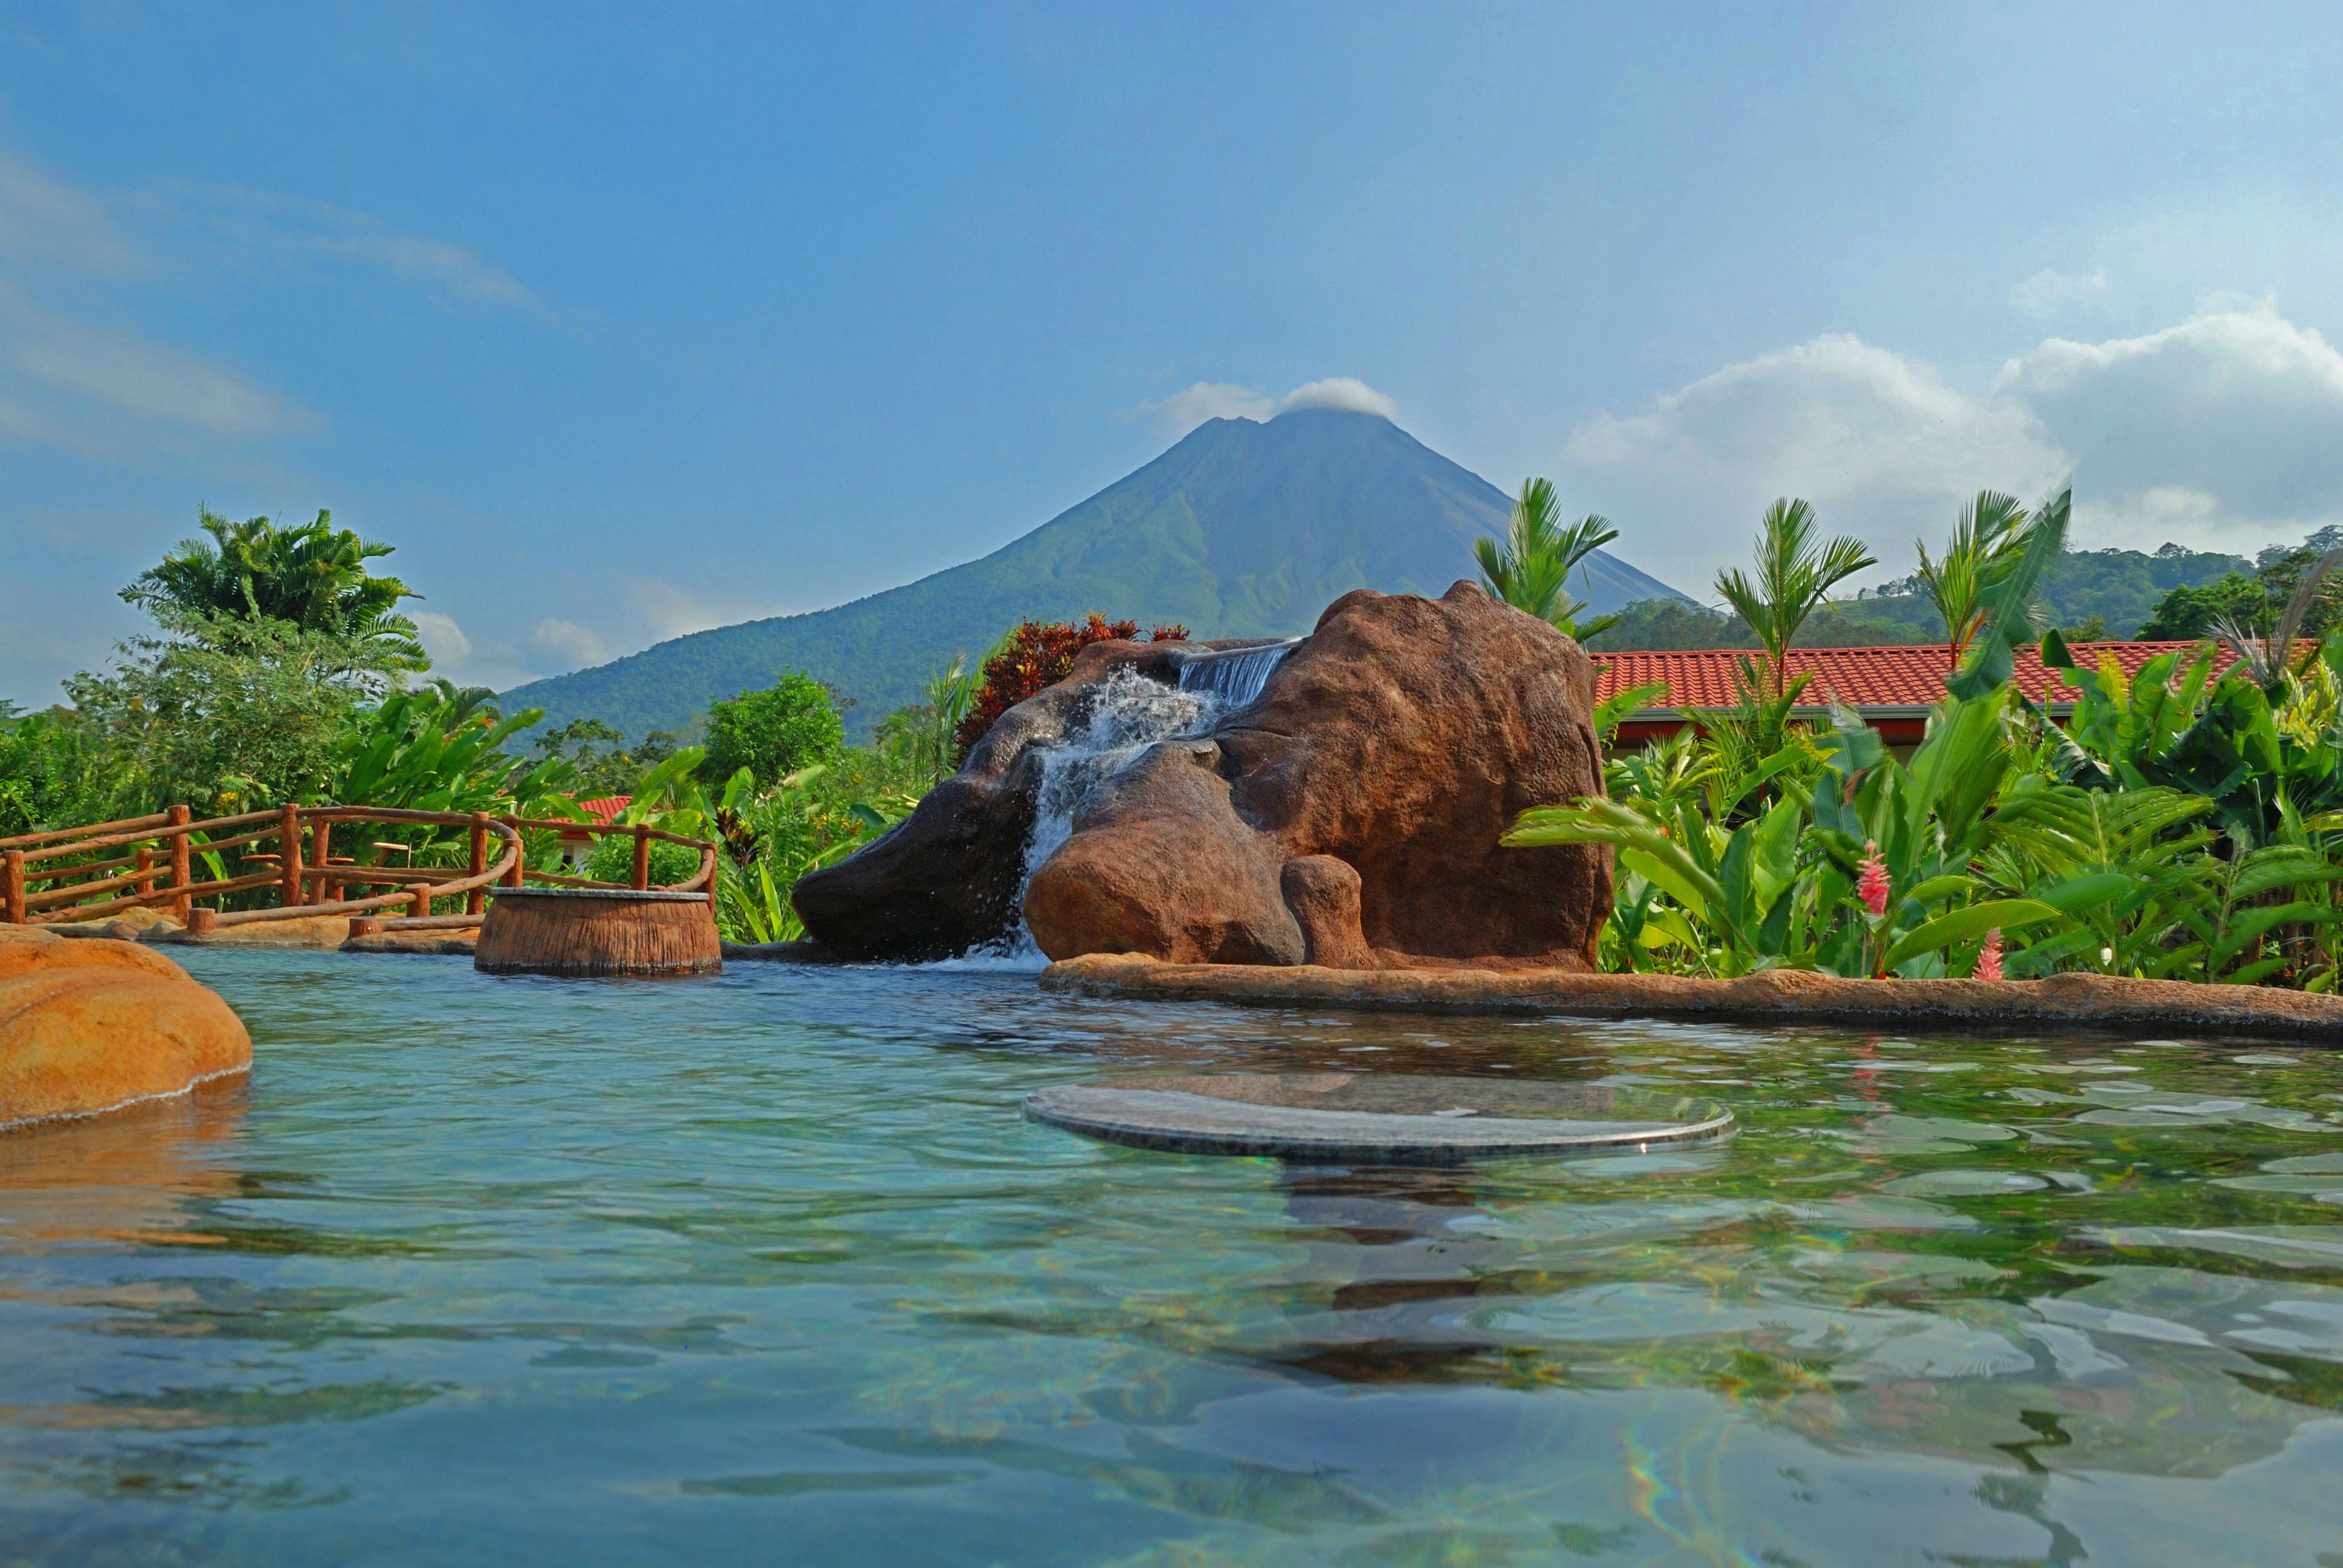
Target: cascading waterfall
1235 677
1130 714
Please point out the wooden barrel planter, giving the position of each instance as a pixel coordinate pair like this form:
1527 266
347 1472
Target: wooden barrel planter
597 931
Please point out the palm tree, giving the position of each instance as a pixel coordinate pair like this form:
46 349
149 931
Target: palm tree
2269 656
949 691
1989 537
313 575
1794 579
1531 570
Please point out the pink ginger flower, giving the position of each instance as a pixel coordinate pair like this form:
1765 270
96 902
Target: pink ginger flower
1988 964
1871 884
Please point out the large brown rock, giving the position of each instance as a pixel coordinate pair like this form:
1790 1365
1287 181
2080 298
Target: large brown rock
1160 862
93 1025
1324 894
1349 817
946 878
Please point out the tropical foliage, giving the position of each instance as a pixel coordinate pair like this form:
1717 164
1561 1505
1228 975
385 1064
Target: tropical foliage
1987 542
220 710
790 725
51 772
602 761
927 732
2254 600
777 838
276 671
312 576
2187 823
1794 578
1531 568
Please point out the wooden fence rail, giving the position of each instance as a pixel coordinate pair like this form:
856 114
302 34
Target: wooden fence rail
42 880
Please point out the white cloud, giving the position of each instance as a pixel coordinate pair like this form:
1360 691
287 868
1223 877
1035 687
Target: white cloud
42 221
133 376
671 612
2223 431
2238 405
2049 292
1882 446
442 639
102 391
1343 392
1196 404
21 423
1203 402
294 231
549 647
109 392
573 645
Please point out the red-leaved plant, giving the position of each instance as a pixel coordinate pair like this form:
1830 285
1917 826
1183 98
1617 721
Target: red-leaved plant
1039 654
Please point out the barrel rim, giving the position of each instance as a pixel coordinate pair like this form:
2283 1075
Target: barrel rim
632 895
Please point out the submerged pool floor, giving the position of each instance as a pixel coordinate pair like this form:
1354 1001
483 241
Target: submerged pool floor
771 1268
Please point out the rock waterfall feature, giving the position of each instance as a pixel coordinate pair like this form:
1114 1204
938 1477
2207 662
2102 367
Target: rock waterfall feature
1334 801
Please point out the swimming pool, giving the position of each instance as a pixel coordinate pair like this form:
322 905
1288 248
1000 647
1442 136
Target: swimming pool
769 1268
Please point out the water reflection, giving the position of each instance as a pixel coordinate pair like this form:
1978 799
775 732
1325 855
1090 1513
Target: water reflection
128 1178
771 1265
1388 1256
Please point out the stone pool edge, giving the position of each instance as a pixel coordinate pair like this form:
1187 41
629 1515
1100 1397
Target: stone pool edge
2098 1002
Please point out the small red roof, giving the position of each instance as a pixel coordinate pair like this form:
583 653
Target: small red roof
605 810
1861 677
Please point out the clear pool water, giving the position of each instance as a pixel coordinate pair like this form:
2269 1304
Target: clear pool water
768 1268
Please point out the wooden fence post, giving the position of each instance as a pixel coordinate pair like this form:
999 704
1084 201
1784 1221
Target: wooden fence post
146 869
477 899
321 859
12 888
642 856
419 901
181 906
288 854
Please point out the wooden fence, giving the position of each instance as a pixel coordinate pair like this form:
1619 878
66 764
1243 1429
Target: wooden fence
49 879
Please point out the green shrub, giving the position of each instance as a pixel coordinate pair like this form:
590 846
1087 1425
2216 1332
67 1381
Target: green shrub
2189 612
224 714
51 774
790 725
613 861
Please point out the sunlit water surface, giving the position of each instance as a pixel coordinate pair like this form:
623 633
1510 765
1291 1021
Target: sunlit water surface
768 1269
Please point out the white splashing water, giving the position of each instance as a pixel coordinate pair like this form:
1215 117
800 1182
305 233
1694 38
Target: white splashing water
1130 714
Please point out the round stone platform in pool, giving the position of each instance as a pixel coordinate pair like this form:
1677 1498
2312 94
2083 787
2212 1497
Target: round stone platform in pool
1372 1119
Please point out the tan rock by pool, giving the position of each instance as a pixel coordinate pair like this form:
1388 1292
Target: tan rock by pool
93 1025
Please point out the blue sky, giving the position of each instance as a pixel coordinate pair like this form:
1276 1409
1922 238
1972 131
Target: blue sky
623 322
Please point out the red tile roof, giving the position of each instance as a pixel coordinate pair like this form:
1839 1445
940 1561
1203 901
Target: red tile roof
605 809
1862 678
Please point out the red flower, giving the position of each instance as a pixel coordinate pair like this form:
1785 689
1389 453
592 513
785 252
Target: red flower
1988 964
1871 885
